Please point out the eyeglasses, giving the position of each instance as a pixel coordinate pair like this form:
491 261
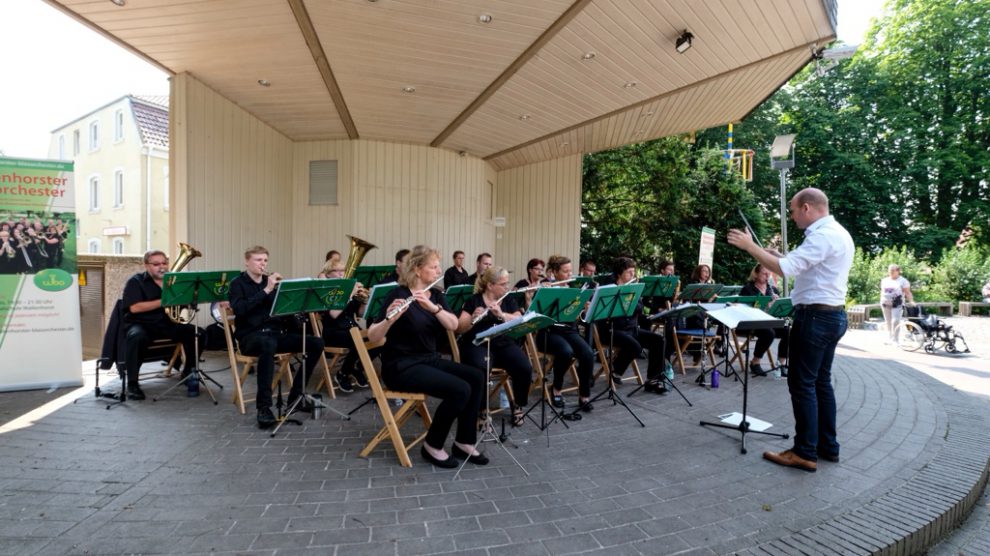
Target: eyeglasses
161 263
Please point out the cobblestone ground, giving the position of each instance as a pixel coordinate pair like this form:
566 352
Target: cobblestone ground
183 476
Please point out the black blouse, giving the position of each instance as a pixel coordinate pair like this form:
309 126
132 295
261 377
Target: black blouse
508 305
413 336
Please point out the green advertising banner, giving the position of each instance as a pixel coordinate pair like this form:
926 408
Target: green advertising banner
40 340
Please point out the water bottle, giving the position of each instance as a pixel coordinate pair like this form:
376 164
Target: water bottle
776 374
503 400
192 386
669 370
715 378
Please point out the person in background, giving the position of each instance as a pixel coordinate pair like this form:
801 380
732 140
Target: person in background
895 290
400 258
482 263
587 268
986 292
456 275
702 274
759 285
337 326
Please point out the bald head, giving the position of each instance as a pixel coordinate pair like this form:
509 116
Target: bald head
812 196
807 206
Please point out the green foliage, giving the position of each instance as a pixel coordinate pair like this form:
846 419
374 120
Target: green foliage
961 273
867 271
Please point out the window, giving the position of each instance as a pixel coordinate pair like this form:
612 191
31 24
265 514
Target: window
93 245
94 194
61 147
118 125
75 142
322 182
118 189
165 188
118 246
94 135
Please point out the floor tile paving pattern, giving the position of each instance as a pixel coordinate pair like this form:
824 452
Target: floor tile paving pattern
182 476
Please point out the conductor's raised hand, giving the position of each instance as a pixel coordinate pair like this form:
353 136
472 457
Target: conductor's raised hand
741 239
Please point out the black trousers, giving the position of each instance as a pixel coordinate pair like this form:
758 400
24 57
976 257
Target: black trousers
566 345
460 389
264 345
509 357
342 339
630 345
139 336
765 337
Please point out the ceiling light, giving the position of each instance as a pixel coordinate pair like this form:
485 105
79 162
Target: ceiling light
119 2
264 83
588 56
525 117
645 114
630 84
409 89
564 144
485 18
684 42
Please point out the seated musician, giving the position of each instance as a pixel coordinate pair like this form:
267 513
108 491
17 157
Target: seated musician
481 263
588 268
505 352
759 284
534 277
400 259
625 335
657 304
252 294
565 343
411 363
145 320
456 275
702 274
337 326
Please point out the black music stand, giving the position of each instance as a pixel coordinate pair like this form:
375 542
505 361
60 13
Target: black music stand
744 319
681 311
782 308
702 294
457 295
307 295
611 302
562 306
193 288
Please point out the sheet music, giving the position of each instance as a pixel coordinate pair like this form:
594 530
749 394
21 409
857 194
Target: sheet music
371 296
508 325
733 315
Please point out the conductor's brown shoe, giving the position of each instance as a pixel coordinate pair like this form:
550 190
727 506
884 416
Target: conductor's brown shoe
788 458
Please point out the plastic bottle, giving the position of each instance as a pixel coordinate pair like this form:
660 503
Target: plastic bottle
503 400
192 386
715 378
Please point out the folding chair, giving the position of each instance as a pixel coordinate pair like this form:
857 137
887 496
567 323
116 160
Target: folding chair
413 403
337 355
683 339
607 364
546 368
241 365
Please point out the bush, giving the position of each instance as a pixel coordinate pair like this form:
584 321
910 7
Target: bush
866 273
961 273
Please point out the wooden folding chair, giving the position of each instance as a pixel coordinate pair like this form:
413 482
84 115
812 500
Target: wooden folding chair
606 364
545 369
413 403
499 377
685 338
241 365
336 354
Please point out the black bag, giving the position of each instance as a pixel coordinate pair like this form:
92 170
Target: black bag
215 340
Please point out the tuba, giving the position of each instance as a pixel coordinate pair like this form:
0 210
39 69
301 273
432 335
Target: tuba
359 248
182 314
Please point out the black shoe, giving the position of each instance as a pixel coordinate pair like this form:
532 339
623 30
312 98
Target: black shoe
655 387
478 459
756 369
829 457
616 379
266 419
783 372
359 380
557 401
344 383
449 463
586 406
134 392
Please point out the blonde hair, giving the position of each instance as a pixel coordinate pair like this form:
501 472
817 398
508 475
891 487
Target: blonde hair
330 266
554 262
418 258
491 275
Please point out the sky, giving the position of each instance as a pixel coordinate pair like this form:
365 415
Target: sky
57 70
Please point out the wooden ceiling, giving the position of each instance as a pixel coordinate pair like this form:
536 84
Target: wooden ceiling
542 79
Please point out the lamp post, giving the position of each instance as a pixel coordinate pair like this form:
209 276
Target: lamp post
782 159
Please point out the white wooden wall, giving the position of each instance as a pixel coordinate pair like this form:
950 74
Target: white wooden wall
541 204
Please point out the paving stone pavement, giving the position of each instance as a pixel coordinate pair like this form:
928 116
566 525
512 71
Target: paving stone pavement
184 476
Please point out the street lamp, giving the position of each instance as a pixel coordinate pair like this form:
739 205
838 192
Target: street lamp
782 159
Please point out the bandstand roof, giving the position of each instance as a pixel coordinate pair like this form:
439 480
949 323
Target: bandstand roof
541 79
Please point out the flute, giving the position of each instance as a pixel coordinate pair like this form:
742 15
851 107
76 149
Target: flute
408 301
547 285
484 313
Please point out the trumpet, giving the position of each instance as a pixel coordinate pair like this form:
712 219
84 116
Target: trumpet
408 301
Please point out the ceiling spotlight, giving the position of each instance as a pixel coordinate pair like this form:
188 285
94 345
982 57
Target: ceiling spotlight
485 18
119 2
409 89
525 117
630 84
588 56
264 83
684 42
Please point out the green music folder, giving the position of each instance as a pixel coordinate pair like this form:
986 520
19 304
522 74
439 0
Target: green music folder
306 295
563 305
193 288
700 292
457 295
376 299
613 301
781 308
660 286
515 328
373 275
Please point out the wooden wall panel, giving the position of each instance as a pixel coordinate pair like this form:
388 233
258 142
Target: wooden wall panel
541 204
231 180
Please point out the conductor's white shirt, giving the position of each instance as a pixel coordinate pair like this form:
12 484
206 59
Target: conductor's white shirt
820 265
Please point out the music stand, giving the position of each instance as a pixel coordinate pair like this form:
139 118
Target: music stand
683 310
563 306
193 288
457 295
783 308
308 295
744 319
701 294
611 302
373 275
585 281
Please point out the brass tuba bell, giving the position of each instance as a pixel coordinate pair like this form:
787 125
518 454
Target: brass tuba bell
359 248
183 314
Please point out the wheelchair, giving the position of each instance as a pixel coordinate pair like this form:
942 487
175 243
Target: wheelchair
927 331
